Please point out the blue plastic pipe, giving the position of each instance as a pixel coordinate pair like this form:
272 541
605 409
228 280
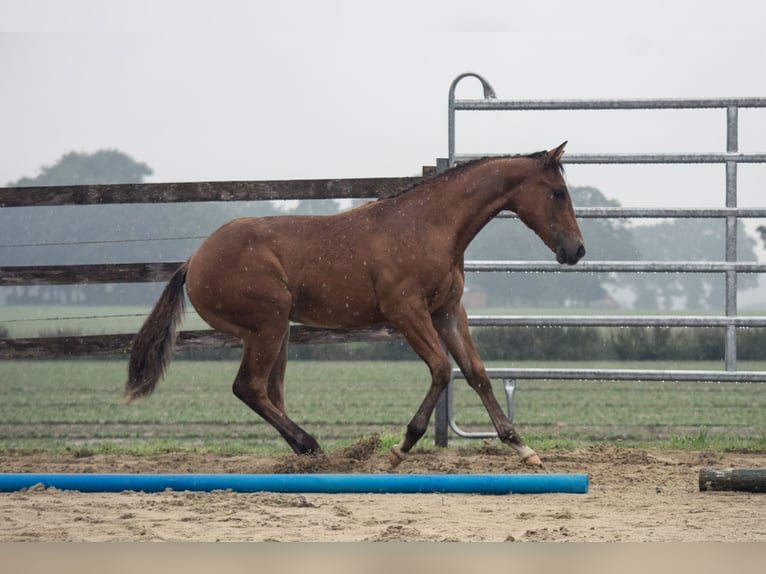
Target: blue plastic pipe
304 483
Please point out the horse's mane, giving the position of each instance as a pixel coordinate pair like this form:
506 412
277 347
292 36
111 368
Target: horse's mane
465 166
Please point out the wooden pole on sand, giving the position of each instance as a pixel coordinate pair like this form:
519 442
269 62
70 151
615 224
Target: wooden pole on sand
738 479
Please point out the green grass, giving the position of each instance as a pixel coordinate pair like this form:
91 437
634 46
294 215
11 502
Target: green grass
76 406
50 320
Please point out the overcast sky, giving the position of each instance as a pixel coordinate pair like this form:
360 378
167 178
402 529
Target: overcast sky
226 90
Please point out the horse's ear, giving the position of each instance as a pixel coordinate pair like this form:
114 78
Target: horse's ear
553 157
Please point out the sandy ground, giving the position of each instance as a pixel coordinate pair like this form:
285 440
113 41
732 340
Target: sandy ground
635 495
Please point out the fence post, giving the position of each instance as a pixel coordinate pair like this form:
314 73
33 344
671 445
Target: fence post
441 420
442 409
732 146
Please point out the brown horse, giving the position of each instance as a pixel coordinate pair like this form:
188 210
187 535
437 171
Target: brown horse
397 260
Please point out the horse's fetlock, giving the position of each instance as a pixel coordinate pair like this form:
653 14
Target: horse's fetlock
509 436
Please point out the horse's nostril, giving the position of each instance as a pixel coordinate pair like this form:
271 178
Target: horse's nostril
581 252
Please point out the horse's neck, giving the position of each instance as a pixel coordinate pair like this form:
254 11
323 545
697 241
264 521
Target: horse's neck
477 195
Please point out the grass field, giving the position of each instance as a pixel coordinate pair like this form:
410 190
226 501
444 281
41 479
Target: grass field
77 405
35 320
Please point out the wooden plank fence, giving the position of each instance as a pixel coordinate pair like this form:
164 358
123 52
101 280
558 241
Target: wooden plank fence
43 347
361 188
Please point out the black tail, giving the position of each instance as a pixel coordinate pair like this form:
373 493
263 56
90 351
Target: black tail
153 344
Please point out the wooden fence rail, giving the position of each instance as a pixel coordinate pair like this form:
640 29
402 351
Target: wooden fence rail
42 347
100 345
84 274
206 191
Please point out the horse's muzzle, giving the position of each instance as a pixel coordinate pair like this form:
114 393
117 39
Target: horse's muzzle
570 256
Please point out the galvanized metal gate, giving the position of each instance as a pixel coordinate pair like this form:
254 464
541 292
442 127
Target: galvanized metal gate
730 267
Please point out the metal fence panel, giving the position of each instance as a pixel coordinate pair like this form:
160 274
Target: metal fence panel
730 267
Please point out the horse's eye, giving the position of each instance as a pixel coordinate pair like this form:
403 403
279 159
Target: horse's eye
559 193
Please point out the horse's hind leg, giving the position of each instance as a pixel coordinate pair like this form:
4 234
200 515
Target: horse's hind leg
276 388
256 385
417 328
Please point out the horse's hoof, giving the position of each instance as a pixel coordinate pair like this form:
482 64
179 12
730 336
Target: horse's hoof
533 460
395 456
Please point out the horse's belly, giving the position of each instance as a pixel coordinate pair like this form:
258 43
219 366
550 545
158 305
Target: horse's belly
335 310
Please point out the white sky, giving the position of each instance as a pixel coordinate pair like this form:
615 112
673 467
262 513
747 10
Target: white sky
229 89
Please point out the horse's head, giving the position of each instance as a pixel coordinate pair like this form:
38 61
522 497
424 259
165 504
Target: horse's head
543 203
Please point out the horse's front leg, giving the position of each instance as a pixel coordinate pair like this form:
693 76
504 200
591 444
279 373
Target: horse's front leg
452 326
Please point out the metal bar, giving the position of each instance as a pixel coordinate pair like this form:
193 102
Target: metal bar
613 321
509 377
468 434
443 408
617 266
732 146
634 104
625 375
732 128
670 158
441 419
489 94
637 158
509 386
657 213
